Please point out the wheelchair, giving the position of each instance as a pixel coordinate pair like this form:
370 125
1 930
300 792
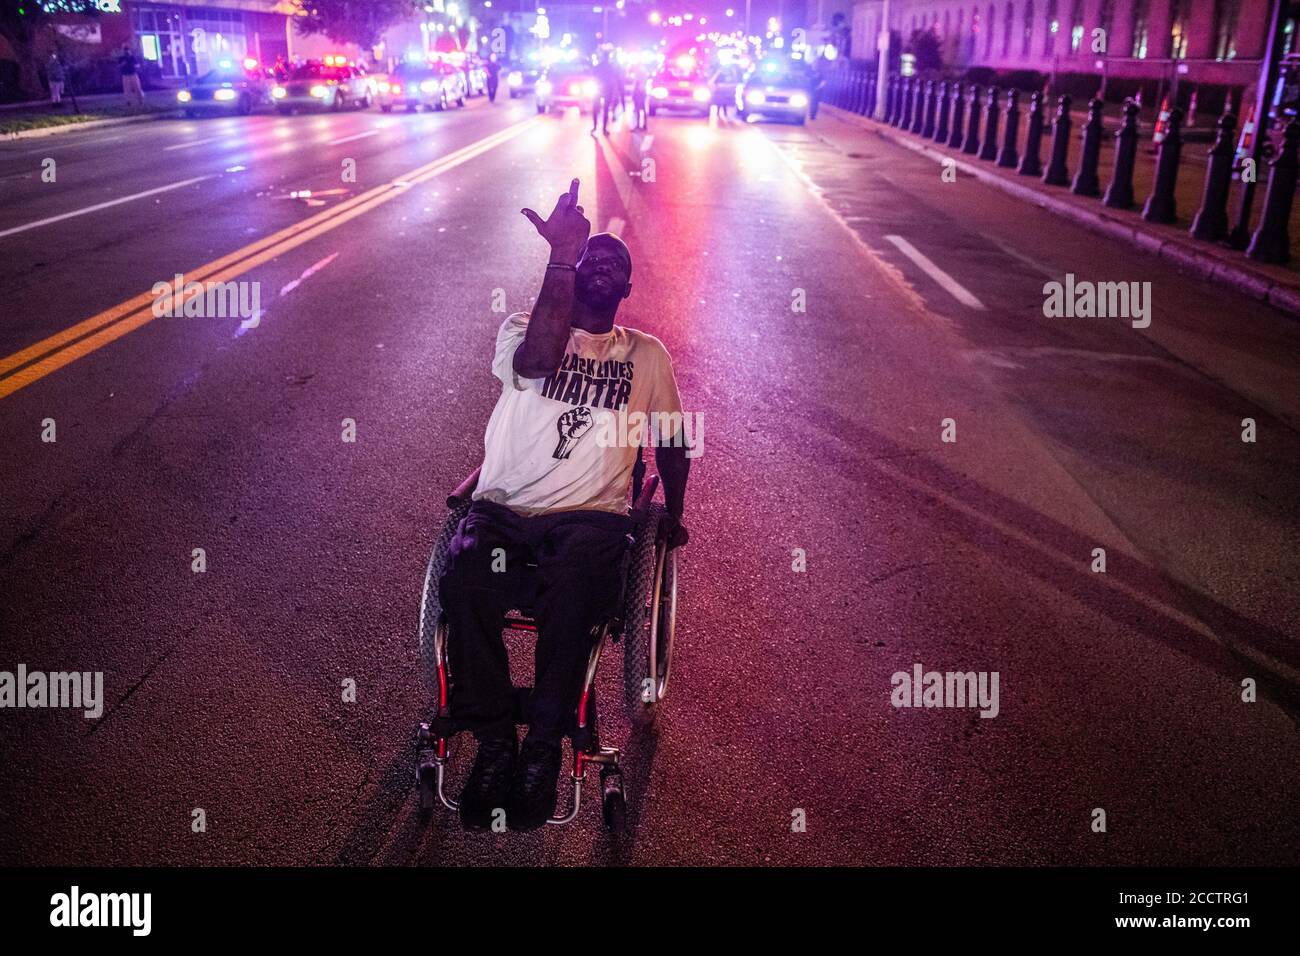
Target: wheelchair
644 623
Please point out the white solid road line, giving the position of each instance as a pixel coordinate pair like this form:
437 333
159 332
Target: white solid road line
103 205
348 139
949 284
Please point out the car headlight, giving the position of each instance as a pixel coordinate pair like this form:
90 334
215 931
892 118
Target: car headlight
224 95
701 95
278 93
320 92
660 92
384 87
544 87
591 88
428 86
184 96
798 100
755 98
515 79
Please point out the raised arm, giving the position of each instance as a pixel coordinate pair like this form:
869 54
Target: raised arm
673 466
566 231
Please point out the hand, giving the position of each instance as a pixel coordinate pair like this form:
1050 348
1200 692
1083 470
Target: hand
566 229
673 531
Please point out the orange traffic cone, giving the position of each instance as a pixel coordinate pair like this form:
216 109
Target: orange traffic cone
1244 142
1162 122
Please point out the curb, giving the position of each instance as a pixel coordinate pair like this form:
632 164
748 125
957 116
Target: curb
1251 282
77 127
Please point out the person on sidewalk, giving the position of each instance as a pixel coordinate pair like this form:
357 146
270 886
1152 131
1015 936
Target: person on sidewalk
131 87
816 84
54 73
566 370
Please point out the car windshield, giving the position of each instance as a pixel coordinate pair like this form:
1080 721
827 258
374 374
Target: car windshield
216 77
318 71
787 77
567 71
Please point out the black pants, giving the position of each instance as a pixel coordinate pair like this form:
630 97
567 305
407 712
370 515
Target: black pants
606 103
492 89
579 574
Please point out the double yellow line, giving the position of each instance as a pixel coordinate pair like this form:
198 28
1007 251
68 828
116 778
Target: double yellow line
48 355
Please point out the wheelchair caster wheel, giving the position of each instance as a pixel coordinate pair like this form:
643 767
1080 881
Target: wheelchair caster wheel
613 803
428 790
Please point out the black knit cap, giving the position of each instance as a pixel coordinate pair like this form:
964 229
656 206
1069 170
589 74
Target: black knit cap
611 241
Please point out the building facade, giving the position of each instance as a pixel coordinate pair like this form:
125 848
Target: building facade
1119 44
173 40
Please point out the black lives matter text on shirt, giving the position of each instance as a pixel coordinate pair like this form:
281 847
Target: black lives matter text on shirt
586 381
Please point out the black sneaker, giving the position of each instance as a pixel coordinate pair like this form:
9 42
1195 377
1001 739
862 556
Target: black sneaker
488 786
532 793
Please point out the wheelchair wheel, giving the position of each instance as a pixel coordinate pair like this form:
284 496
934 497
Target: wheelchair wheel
430 602
649 615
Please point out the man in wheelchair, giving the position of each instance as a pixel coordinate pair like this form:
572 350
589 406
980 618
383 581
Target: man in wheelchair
551 500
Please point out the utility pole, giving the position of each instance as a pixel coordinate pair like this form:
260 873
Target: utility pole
882 61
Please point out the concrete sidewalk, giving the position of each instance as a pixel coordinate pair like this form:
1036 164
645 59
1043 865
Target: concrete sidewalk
1279 286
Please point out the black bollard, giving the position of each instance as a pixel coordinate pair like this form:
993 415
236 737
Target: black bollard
941 127
1119 194
1272 240
891 86
1057 174
1086 182
1211 220
1008 157
918 106
1031 164
958 114
992 116
971 144
905 121
931 104
1161 205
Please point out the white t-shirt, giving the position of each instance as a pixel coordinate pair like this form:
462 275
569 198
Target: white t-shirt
569 441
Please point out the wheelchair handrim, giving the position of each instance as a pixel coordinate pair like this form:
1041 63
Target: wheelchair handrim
660 671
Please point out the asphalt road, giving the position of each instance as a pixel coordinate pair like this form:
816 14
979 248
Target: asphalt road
924 302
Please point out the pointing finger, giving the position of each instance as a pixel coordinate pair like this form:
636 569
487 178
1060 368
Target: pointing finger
532 217
573 193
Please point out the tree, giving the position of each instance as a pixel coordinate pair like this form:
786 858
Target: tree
361 22
21 22
924 45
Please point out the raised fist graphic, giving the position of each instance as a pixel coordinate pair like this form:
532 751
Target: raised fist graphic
571 426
